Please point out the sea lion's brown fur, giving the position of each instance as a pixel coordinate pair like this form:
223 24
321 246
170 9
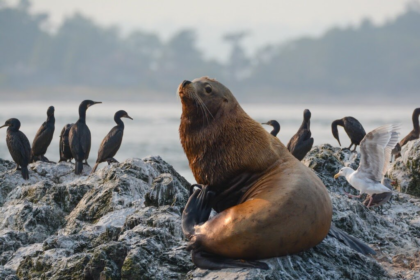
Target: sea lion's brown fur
269 203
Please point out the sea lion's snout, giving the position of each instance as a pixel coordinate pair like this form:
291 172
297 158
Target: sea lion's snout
185 83
183 89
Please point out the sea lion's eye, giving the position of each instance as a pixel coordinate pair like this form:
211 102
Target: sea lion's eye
208 89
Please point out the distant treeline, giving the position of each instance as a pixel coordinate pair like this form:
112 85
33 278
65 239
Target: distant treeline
367 58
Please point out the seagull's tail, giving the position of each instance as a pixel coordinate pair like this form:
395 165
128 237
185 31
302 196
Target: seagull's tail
350 241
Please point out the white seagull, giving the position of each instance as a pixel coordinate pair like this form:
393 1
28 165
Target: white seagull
375 149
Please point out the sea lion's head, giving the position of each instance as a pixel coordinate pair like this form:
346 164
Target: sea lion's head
219 139
204 98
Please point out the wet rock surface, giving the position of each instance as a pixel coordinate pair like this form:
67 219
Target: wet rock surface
124 222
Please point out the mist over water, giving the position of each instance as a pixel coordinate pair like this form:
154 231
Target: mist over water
154 130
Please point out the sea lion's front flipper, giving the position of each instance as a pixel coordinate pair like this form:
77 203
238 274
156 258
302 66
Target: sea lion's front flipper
197 210
207 260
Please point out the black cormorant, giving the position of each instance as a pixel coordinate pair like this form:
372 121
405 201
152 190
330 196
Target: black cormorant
112 141
43 137
301 143
79 137
353 128
275 125
65 151
18 145
414 134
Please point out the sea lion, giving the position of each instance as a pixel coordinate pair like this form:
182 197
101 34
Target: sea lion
269 204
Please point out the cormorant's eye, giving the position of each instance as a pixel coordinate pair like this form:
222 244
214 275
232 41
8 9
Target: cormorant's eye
208 89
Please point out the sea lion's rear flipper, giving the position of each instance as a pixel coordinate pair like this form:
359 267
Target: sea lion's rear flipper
350 241
207 260
197 210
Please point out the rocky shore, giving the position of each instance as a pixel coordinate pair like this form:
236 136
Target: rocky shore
124 222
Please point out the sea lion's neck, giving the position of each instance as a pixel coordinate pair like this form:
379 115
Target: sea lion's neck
230 144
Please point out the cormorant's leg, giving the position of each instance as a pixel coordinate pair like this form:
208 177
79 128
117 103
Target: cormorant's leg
86 163
17 167
111 160
45 159
350 145
355 146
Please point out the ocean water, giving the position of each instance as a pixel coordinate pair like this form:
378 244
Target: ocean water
154 130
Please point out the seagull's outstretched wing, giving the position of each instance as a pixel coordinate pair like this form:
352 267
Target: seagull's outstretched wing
393 141
374 150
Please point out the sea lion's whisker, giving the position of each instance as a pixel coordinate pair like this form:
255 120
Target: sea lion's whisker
205 107
197 102
201 104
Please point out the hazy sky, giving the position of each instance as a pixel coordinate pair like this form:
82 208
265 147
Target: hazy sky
269 21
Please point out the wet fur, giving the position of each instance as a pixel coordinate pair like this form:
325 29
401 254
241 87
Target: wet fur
225 146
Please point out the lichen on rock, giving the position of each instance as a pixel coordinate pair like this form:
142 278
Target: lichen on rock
405 171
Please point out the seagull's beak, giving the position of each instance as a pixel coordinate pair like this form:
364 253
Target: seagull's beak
337 175
393 183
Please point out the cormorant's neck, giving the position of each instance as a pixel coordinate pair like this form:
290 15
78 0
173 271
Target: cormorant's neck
305 124
119 122
335 130
51 119
82 114
13 128
338 122
276 129
416 114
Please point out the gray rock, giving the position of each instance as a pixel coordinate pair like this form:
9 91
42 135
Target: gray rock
166 190
124 222
405 171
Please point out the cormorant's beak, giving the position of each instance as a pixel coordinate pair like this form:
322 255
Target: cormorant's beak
3 126
128 117
94 102
264 123
336 176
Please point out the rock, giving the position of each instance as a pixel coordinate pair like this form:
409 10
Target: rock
166 190
405 171
326 161
124 222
